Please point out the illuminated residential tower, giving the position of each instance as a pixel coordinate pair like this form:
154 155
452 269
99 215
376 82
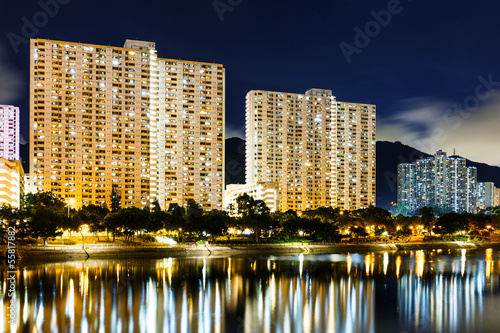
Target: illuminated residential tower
440 181
103 117
191 133
9 132
319 151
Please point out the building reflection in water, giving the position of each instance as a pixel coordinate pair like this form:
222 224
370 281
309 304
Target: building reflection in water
450 293
405 291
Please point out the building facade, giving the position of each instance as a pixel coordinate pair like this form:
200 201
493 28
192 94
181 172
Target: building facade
497 196
190 133
28 185
105 117
486 195
407 185
472 185
11 182
266 191
439 181
9 132
320 152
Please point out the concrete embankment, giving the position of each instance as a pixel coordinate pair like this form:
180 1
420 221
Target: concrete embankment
53 253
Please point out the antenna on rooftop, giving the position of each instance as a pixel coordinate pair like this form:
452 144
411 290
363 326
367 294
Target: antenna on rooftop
454 151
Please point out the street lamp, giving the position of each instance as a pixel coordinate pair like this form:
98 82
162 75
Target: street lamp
70 203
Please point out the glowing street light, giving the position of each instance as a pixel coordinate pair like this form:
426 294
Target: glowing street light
70 203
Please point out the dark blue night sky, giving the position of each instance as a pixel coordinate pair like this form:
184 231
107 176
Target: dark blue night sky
429 52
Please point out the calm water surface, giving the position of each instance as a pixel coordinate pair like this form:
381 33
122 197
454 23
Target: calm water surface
413 291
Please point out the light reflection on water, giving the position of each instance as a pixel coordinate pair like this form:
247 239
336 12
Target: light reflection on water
413 291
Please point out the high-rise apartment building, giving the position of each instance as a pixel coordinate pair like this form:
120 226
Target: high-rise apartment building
107 118
9 132
319 151
486 195
407 186
497 196
472 189
437 181
190 131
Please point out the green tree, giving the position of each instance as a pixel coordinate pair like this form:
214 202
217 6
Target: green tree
93 216
193 222
135 220
495 219
325 214
347 219
428 217
45 214
11 217
127 221
357 231
254 214
451 223
323 222
157 219
375 216
401 209
405 224
216 222
477 222
113 223
285 223
175 217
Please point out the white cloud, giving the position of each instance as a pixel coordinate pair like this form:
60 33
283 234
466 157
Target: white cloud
434 125
420 111
232 132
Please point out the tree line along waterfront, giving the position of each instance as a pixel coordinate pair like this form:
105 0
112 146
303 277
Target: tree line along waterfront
42 217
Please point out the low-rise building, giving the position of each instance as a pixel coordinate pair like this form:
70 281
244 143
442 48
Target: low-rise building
11 182
265 191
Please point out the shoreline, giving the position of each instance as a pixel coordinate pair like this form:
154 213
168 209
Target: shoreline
60 253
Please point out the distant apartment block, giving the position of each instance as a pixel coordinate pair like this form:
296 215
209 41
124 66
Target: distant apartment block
407 185
497 196
472 185
486 195
438 181
9 132
320 152
11 182
106 116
